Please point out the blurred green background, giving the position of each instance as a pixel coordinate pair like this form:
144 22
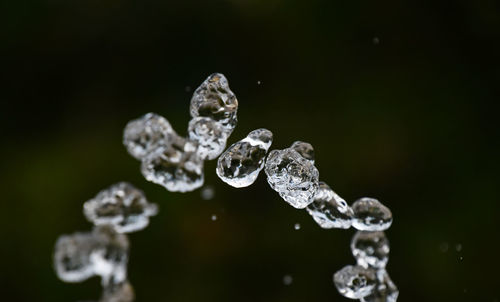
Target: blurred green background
397 97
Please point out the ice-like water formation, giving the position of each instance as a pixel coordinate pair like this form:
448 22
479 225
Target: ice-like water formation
371 215
384 291
102 252
145 134
215 100
329 210
122 292
178 167
304 149
72 257
111 257
210 135
371 249
292 176
355 282
122 206
241 163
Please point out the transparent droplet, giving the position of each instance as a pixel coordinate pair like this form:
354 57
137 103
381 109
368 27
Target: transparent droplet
371 215
210 136
72 257
287 280
241 163
102 252
121 205
296 226
178 168
111 258
207 192
292 176
384 291
329 210
214 217
143 135
355 282
122 292
215 100
371 249
306 150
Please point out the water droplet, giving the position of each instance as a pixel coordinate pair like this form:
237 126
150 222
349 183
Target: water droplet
210 135
178 168
242 162
287 279
371 249
145 134
215 100
297 226
376 40
214 217
292 176
355 282
371 215
207 192
329 210
259 82
458 247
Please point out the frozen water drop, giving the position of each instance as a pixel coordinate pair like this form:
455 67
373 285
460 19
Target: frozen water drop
215 100
297 226
292 176
122 292
306 150
371 215
371 249
123 206
355 282
329 210
178 168
210 135
145 134
287 280
241 163
207 192
384 291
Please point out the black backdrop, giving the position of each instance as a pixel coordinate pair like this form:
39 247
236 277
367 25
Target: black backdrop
397 98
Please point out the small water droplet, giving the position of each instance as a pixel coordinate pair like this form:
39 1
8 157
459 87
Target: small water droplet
259 82
297 226
461 258
287 280
376 40
458 247
214 217
207 193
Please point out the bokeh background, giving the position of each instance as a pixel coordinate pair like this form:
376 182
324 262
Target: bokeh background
397 97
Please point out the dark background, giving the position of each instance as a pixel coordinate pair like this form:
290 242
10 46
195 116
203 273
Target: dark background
397 97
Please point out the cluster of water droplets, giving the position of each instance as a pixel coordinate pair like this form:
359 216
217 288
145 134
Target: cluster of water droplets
176 163
103 252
